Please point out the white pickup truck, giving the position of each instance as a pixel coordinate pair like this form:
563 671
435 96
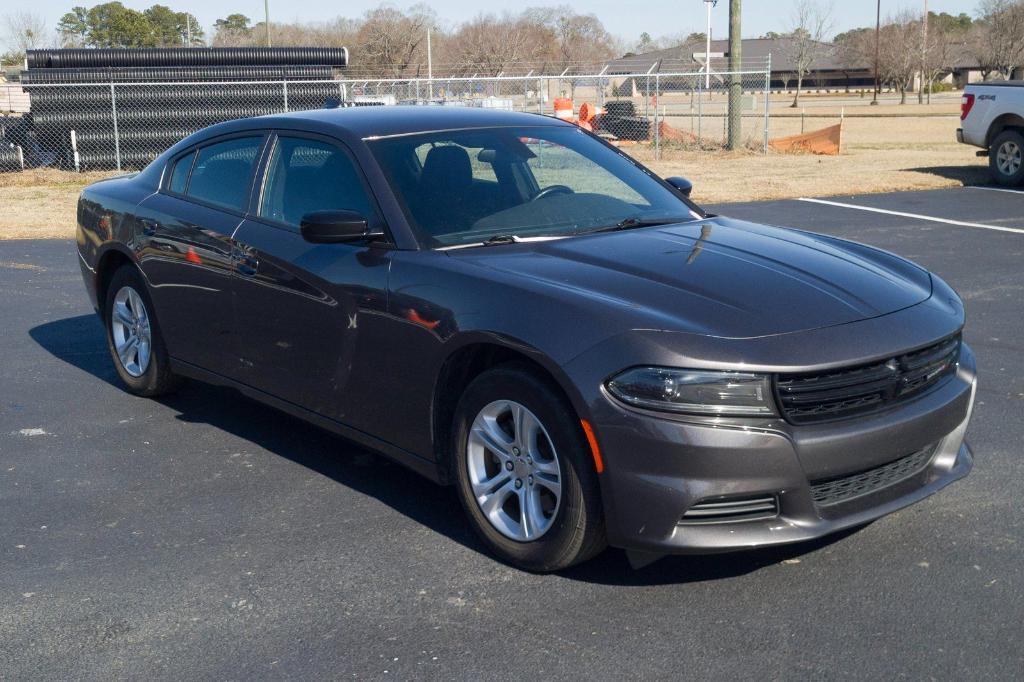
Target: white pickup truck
992 117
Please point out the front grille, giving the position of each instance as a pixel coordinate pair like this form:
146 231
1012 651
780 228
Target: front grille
847 392
836 490
728 510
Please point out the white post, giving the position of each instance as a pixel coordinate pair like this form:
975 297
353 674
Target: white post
21 157
767 98
74 149
117 135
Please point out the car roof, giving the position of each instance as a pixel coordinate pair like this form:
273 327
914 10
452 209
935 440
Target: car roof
383 121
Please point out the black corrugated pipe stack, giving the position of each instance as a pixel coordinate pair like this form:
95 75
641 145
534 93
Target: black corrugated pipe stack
187 56
134 74
163 95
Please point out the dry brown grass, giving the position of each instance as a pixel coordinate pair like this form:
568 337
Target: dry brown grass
892 150
40 204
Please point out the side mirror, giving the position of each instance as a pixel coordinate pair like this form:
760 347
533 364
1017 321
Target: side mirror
683 185
335 227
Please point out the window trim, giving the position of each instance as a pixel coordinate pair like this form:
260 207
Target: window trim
259 133
376 220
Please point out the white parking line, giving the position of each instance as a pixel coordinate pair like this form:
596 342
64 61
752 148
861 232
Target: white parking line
917 216
998 189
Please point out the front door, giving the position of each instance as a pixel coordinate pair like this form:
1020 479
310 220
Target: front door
304 313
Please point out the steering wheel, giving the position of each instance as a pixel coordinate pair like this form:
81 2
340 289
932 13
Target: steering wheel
551 190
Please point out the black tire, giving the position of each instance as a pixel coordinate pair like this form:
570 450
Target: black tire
157 379
576 532
1009 143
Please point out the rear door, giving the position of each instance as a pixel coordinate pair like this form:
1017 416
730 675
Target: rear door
306 314
187 252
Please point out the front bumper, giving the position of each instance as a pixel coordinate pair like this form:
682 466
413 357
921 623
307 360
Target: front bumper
657 467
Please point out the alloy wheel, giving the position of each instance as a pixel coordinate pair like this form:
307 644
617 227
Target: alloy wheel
514 470
1009 158
131 332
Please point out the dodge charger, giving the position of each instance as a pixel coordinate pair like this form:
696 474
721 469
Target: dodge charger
511 305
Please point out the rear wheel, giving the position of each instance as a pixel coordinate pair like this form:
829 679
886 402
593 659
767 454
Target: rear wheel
524 471
133 336
1006 158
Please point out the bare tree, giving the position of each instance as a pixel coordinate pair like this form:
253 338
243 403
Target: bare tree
806 42
489 44
998 38
898 61
938 52
25 30
390 40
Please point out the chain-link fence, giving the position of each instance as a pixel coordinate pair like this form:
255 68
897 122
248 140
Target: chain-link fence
124 125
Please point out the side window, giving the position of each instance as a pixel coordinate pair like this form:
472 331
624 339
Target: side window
309 175
222 172
179 175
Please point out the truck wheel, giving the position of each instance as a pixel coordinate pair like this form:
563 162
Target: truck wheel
1006 158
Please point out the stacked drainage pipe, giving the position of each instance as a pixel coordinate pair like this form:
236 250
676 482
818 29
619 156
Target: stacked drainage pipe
126 106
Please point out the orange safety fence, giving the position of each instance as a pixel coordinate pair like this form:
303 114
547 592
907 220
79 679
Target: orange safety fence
827 141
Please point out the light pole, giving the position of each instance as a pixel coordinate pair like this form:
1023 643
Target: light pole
707 50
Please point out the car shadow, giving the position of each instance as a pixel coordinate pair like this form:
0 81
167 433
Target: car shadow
969 176
80 342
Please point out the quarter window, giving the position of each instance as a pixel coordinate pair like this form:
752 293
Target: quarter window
308 175
179 176
222 172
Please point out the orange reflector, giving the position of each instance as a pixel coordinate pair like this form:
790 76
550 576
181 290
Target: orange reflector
594 450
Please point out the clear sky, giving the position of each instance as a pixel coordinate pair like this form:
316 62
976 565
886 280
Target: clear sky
625 18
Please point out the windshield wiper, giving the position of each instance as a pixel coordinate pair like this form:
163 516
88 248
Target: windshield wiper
500 239
633 222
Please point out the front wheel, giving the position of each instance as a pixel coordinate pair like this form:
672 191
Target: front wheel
133 336
1006 158
524 471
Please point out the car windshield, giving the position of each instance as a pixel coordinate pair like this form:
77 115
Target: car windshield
500 185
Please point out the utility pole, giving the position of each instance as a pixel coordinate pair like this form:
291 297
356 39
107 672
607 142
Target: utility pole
878 31
735 79
266 19
707 50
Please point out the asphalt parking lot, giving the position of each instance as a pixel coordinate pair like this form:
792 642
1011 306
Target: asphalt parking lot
206 536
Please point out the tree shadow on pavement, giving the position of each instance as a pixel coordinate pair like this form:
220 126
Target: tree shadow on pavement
80 342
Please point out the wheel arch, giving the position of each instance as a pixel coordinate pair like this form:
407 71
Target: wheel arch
468 360
107 264
1004 122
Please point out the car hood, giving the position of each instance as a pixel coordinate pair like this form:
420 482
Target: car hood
719 277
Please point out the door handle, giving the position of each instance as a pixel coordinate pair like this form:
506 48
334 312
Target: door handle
246 263
149 227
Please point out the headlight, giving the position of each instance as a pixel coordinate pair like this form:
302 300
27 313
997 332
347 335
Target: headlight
721 394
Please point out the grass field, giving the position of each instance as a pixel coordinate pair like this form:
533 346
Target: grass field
885 148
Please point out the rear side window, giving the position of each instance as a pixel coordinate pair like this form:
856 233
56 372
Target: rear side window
308 175
222 172
179 176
